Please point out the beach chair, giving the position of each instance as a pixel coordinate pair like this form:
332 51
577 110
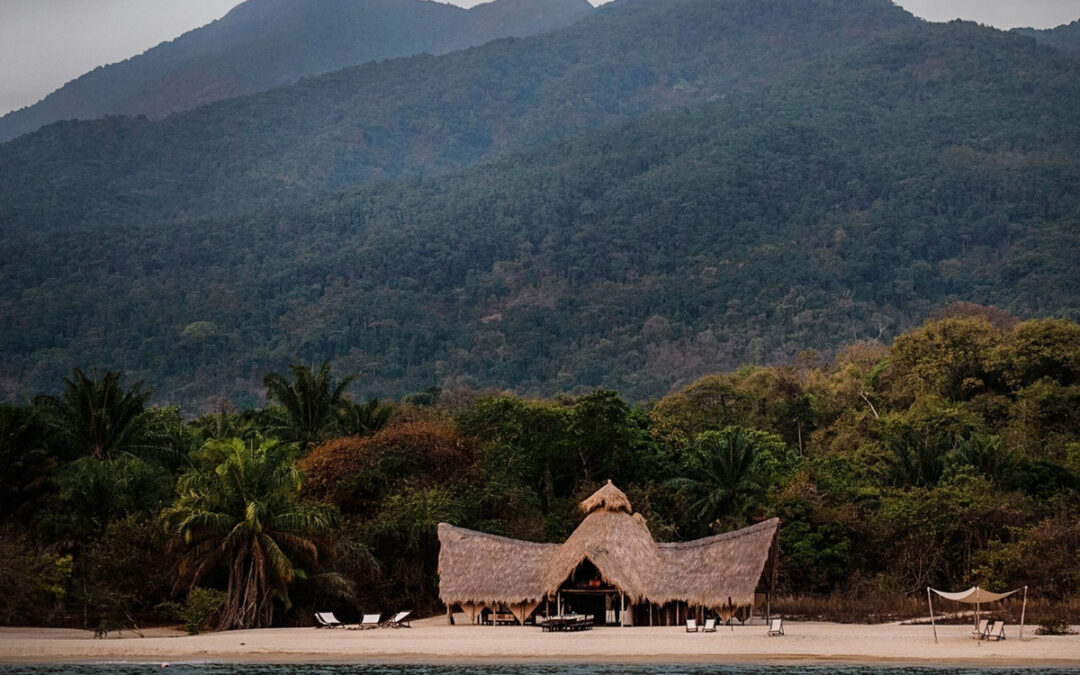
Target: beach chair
980 632
709 627
691 625
996 631
327 620
369 621
776 627
399 620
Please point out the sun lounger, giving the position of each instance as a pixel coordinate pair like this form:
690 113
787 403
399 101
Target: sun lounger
369 621
327 620
776 627
980 632
996 631
691 625
709 627
399 620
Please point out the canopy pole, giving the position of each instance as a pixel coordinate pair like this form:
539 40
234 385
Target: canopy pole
930 601
978 610
1023 611
978 606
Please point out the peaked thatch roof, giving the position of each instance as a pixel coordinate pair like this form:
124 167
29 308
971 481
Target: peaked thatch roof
484 568
609 498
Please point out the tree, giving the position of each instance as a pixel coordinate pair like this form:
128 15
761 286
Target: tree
28 467
240 510
96 415
363 419
719 479
309 404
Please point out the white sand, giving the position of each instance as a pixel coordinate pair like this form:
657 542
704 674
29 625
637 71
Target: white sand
432 641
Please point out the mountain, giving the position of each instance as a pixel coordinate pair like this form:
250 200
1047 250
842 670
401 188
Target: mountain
1065 38
262 44
422 115
849 198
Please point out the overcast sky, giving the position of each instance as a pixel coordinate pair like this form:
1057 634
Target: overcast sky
45 43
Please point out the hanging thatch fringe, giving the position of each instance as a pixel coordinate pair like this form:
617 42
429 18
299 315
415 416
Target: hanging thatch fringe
715 572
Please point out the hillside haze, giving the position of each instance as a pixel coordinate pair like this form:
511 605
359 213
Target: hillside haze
424 115
1064 38
268 43
670 206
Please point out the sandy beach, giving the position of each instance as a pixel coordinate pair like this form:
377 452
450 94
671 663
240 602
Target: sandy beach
432 641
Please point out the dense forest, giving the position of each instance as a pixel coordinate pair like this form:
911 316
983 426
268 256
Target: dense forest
951 457
262 44
851 198
1064 38
421 115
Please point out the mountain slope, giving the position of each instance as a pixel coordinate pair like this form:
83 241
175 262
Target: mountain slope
423 114
1065 38
268 43
847 201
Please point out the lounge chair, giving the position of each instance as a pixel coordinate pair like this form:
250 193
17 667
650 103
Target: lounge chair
399 620
691 625
996 631
776 627
709 627
980 632
369 621
327 620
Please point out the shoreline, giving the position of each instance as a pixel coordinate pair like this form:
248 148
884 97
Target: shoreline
432 642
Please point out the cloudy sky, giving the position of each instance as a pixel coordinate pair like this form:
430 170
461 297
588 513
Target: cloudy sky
45 43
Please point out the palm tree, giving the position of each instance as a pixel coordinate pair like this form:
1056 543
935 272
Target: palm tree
96 416
309 404
721 481
240 511
363 419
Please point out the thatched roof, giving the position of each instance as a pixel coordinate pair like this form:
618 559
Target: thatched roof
483 568
609 498
478 567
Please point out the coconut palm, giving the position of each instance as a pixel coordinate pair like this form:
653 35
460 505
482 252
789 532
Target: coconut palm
240 511
97 416
309 404
721 482
363 419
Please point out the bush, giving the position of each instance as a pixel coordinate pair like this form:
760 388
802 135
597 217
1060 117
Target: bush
202 605
1058 625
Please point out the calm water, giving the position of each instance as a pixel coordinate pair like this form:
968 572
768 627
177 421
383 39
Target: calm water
562 669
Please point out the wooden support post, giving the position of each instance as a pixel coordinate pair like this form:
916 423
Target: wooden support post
449 615
931 603
1023 611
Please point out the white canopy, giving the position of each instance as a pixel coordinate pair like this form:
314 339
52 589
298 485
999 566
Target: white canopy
974 595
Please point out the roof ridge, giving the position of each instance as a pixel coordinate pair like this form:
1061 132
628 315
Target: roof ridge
724 536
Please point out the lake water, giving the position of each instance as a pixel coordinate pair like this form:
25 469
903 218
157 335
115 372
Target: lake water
560 669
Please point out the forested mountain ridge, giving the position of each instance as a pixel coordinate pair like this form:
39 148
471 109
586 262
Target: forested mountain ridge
424 114
849 200
262 44
1065 38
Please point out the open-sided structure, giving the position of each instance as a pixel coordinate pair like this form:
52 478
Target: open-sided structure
978 597
610 567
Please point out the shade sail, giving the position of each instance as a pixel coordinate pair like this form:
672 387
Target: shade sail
974 595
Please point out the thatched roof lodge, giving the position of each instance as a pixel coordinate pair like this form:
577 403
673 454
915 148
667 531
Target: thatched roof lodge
610 567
